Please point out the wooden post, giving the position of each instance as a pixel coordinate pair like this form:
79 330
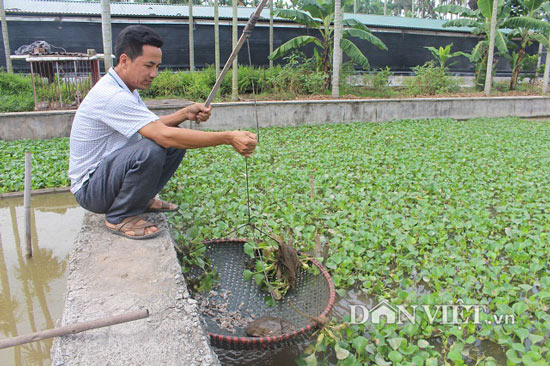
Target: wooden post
74 328
27 202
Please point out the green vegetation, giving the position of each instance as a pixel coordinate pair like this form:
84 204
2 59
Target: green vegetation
458 208
319 15
430 80
15 93
50 163
295 78
414 212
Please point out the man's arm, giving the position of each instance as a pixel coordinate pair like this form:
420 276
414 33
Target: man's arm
193 112
243 141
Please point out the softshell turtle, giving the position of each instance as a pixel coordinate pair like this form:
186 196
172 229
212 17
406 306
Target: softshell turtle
268 326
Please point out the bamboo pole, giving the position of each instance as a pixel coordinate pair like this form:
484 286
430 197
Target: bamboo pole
74 328
27 202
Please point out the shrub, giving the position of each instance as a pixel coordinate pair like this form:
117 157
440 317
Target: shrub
380 79
430 79
15 93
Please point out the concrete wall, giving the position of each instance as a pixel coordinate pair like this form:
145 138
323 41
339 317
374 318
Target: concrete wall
43 125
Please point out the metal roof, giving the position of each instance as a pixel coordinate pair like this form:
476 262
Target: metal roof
85 8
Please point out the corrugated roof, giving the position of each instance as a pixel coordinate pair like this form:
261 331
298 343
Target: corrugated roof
225 12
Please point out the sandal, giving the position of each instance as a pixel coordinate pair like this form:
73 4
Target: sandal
165 206
132 224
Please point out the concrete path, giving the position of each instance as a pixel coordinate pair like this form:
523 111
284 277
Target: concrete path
110 275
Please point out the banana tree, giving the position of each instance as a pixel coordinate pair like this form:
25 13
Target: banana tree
443 55
546 40
319 15
479 20
525 27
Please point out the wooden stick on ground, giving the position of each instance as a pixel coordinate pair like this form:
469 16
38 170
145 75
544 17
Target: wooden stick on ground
74 328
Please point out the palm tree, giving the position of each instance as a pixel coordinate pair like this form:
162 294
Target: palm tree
319 15
524 27
270 31
337 54
235 71
490 56
191 41
479 22
107 37
7 51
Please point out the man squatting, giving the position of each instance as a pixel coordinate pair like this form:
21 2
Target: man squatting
121 153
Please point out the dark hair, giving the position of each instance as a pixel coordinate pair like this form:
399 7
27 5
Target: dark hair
132 39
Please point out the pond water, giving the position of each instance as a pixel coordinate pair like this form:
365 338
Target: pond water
33 289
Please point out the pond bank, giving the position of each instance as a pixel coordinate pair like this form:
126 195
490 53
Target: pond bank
110 275
45 125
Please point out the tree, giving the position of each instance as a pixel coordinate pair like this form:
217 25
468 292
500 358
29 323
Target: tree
479 22
7 51
107 37
443 55
337 53
490 56
191 41
216 38
235 71
524 26
545 39
319 14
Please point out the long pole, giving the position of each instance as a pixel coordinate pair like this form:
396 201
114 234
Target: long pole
74 328
107 35
27 202
246 33
7 50
191 39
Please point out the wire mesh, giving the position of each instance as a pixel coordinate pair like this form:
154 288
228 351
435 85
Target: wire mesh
313 295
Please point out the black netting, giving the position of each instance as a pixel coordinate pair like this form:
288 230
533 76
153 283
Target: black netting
311 295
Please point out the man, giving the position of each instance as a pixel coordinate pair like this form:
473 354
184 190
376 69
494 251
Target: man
122 154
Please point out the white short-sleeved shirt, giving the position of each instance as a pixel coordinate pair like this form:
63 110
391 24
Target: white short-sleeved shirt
108 119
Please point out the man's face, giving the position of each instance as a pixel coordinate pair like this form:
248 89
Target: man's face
141 72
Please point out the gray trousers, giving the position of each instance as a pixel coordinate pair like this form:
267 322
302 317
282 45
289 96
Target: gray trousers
127 179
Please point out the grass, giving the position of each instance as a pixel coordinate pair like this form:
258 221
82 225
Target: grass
460 209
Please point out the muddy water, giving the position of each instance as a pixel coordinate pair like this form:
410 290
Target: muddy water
32 290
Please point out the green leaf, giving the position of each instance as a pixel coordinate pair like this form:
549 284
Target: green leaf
249 249
395 356
247 275
364 35
311 360
513 357
432 362
522 333
360 343
294 44
422 343
380 360
341 353
395 343
259 278
354 53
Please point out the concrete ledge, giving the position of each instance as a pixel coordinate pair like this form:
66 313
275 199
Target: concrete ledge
226 116
110 275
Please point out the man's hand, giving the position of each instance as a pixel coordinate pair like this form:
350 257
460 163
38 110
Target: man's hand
244 142
198 112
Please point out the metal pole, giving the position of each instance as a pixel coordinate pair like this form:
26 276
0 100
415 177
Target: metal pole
246 32
27 202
